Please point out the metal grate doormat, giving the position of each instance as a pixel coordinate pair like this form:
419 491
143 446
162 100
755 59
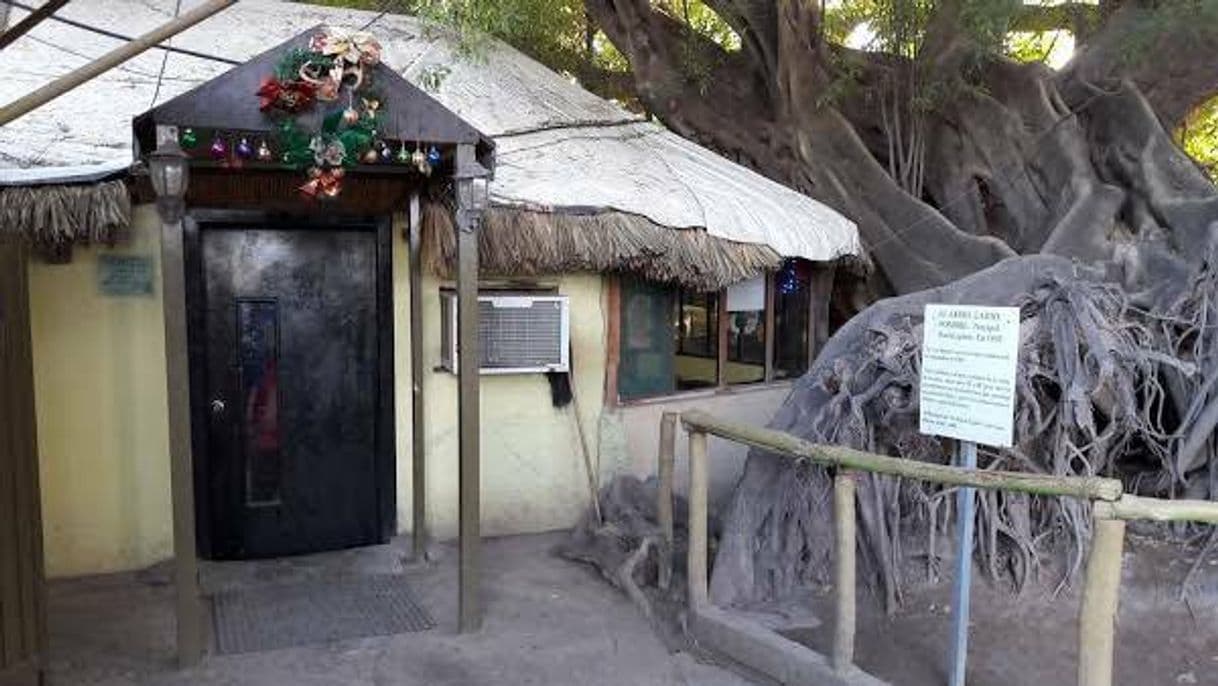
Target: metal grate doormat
280 616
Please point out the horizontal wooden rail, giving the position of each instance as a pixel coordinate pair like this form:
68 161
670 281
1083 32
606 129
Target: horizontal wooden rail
1088 487
1132 507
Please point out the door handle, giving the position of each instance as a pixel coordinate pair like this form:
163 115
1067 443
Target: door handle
217 407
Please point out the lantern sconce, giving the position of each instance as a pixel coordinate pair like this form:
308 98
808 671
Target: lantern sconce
169 171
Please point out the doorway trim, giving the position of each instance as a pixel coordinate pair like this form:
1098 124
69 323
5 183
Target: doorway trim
198 220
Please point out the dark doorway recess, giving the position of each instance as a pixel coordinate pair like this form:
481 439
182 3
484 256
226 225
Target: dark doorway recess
291 355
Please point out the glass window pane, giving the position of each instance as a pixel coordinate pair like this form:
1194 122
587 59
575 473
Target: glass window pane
645 364
792 303
258 351
697 340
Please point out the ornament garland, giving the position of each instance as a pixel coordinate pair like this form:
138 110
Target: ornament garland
336 68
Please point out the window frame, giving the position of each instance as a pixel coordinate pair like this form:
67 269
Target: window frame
820 286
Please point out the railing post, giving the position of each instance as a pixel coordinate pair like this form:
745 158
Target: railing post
844 579
668 448
698 593
1097 613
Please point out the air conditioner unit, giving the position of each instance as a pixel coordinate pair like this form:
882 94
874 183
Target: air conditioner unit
517 333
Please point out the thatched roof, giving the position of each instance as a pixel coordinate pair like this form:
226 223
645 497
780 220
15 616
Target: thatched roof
53 216
516 242
683 213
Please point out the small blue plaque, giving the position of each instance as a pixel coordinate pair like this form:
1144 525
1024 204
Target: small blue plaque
124 275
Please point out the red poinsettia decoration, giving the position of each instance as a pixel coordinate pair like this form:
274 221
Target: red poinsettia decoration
288 96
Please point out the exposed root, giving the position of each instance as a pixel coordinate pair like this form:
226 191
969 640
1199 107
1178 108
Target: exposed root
1093 398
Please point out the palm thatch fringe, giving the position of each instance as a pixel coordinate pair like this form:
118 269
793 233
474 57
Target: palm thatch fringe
63 215
518 242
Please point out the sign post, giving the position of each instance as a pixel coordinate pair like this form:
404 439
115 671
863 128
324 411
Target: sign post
970 356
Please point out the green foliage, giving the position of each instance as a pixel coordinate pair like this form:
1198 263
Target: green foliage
1199 137
1031 46
288 68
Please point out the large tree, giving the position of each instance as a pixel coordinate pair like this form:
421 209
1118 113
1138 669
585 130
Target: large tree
937 127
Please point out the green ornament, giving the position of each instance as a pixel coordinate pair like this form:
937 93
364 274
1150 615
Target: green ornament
188 139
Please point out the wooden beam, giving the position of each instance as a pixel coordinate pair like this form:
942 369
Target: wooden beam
418 438
819 299
699 594
1089 487
721 341
30 21
666 460
771 298
110 60
1098 610
12 266
470 531
29 503
1131 507
181 468
844 570
613 338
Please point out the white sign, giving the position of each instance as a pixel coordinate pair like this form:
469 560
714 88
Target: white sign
969 359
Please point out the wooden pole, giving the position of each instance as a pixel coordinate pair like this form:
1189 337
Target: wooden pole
1097 613
771 337
844 577
418 437
1088 487
721 340
696 562
1131 507
181 472
666 461
30 21
468 365
110 60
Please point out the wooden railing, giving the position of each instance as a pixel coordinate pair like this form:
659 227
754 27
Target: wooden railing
1111 508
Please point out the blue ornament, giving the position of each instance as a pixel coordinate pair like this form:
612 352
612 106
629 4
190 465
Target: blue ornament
244 149
386 152
433 156
788 279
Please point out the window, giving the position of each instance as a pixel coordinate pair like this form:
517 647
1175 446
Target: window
674 339
697 332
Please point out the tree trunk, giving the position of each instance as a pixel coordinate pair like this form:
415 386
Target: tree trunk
1065 169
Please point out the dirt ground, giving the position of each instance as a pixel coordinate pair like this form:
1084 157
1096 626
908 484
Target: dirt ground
1032 641
547 621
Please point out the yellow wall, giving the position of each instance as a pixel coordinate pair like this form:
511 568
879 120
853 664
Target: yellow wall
103 441
533 476
99 380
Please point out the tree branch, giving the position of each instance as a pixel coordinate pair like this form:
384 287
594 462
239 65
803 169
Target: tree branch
1170 52
1078 18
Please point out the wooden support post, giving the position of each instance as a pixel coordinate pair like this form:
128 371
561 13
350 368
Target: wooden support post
418 438
181 469
22 589
818 316
110 60
30 21
1098 611
844 577
721 341
771 318
666 460
468 365
697 560
613 338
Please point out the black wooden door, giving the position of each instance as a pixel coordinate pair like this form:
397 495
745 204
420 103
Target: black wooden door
292 370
